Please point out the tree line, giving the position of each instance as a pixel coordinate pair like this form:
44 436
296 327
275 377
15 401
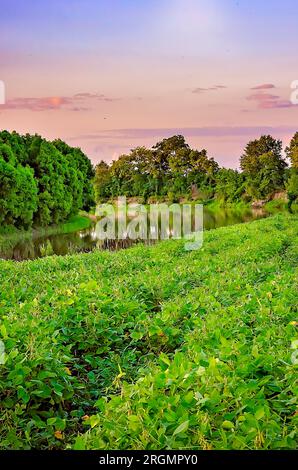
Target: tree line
42 182
171 170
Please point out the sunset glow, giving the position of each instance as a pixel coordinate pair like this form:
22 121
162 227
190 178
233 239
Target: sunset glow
110 75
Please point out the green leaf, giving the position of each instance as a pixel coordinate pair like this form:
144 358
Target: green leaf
51 421
136 335
94 420
3 331
164 358
181 428
227 425
79 443
260 413
23 395
134 422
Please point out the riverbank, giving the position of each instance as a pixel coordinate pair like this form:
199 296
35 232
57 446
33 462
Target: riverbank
154 347
272 206
62 243
10 235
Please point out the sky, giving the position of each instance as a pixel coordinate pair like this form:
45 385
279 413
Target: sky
110 75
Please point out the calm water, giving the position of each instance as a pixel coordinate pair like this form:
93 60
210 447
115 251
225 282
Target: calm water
87 240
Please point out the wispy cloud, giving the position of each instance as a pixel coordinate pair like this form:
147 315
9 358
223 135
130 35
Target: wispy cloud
224 131
77 102
38 104
212 88
265 86
94 96
269 101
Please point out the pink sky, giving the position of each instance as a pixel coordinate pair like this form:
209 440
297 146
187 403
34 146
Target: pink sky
108 76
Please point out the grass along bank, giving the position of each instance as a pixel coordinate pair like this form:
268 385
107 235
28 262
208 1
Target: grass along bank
74 224
155 347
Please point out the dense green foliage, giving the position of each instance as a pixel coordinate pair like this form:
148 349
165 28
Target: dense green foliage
263 166
41 182
292 151
292 183
155 347
171 170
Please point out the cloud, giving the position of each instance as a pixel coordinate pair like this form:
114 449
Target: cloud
262 97
277 104
265 86
212 88
77 102
269 101
150 133
37 104
94 96
87 95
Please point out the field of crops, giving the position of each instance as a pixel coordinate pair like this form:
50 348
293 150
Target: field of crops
155 347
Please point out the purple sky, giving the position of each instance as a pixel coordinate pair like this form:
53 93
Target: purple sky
108 75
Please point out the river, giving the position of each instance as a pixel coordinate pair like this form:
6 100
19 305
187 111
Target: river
37 246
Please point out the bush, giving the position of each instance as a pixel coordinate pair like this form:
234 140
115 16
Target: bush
41 182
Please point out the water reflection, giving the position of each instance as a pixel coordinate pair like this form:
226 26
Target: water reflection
87 240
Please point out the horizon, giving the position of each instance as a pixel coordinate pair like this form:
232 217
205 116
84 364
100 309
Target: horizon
109 76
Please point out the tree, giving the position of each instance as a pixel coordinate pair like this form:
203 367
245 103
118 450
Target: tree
102 181
84 169
202 169
179 168
162 152
60 177
292 187
7 154
229 185
121 172
292 151
169 169
250 160
263 167
18 195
